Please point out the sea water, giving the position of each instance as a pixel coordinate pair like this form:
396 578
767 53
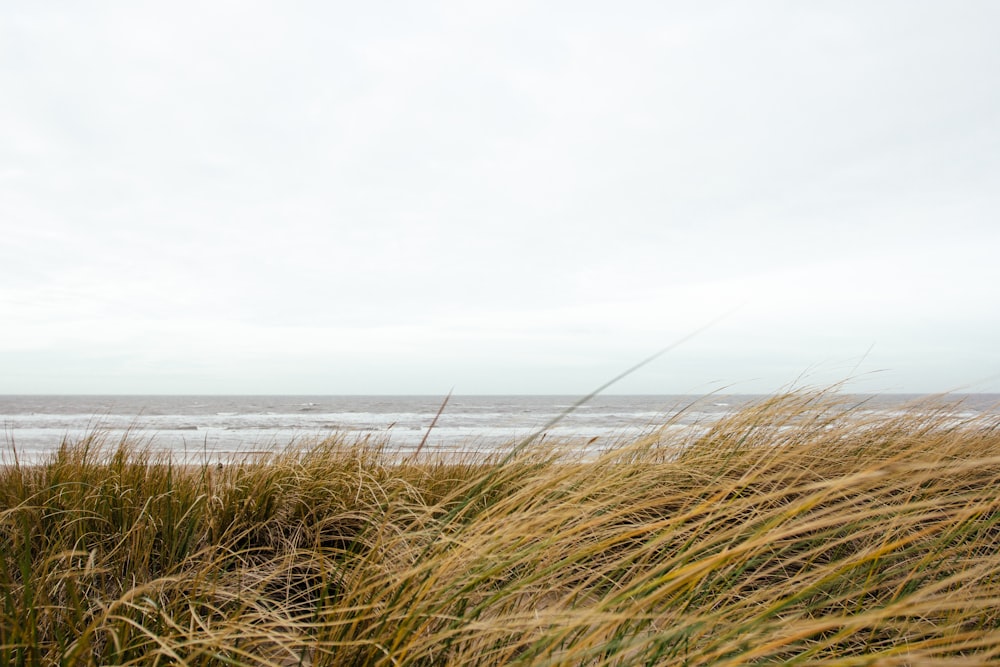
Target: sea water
219 427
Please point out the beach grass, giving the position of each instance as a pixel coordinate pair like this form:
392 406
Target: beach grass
800 530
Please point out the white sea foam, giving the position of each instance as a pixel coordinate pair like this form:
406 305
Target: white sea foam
217 426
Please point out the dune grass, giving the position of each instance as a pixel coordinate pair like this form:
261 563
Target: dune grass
798 530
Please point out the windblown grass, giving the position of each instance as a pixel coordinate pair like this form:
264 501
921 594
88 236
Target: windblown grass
795 531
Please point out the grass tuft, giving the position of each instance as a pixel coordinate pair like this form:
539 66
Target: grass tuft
801 530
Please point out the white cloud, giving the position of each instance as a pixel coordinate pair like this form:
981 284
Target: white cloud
522 198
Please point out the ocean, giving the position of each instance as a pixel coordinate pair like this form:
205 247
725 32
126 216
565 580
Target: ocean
220 427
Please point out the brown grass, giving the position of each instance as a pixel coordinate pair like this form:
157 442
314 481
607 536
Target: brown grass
795 531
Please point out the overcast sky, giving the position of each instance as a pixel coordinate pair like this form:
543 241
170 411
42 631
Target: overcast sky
515 197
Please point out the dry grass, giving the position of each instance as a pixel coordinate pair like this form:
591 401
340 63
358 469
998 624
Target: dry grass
794 531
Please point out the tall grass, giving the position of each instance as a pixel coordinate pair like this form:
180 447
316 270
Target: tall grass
799 530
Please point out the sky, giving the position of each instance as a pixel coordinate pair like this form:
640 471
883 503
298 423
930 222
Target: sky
499 198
